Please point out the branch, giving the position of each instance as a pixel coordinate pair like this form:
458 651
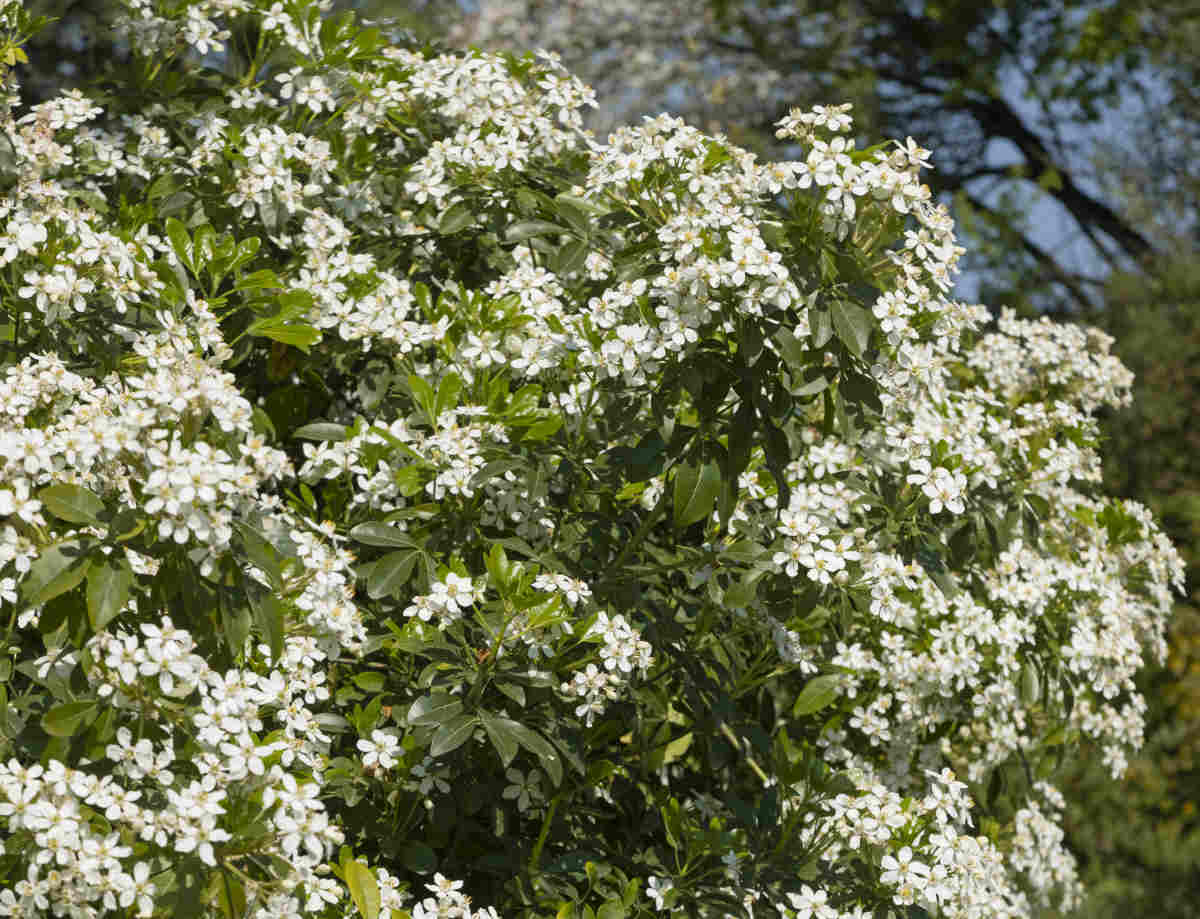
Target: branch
1044 259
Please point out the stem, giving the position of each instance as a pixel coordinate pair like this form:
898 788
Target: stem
638 537
536 855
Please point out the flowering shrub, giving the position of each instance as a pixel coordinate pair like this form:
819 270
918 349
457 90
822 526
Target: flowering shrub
413 506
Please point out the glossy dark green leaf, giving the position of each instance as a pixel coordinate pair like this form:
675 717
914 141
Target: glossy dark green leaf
268 617
264 555
452 734
264 279
56 570
456 217
502 736
108 585
853 325
434 709
374 533
178 235
571 256
370 682
321 430
527 229
235 624
298 335
695 492
419 858
820 327
514 691
540 747
228 893
391 572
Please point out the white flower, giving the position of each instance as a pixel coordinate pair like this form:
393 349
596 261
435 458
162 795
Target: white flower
658 889
379 749
811 903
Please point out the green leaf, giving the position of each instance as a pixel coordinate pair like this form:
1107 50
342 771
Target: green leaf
108 586
364 888
435 708
669 752
456 217
202 246
502 736
66 719
819 692
246 250
514 691
526 229
571 256
321 430
298 335
58 569
72 503
695 492
235 625
447 394
498 566
423 393
820 327
268 616
258 280
374 533
540 747
391 572
178 235
370 682
452 734
264 555
853 325
613 909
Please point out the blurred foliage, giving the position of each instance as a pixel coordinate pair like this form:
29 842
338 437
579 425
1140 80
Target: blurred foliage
80 45
1139 841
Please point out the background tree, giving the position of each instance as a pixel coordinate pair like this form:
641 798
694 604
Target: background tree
1011 95
1151 455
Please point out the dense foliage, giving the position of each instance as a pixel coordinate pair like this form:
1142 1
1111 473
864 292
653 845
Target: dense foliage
412 503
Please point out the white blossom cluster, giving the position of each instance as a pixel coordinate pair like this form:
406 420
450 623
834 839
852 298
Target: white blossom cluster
449 598
175 804
623 651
